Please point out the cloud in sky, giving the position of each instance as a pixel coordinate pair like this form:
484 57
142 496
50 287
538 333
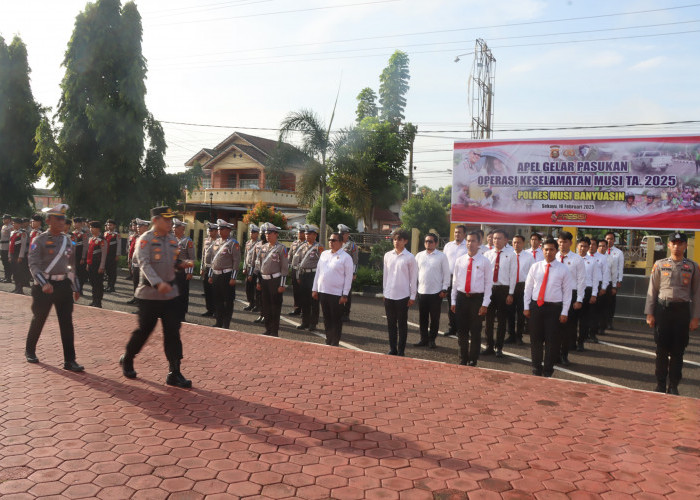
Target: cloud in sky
648 64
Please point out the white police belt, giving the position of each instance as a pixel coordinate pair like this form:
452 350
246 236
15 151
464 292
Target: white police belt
305 271
271 276
223 271
56 277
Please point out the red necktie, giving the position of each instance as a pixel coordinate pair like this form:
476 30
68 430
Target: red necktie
534 254
91 249
495 267
562 258
518 275
608 251
540 297
468 283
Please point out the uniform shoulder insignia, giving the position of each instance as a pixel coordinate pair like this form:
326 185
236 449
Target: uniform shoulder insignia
143 243
236 246
190 244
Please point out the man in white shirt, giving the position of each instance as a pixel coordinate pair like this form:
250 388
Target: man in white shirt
400 284
471 295
332 285
605 286
504 266
535 247
516 319
617 267
454 250
546 301
593 277
433 281
604 273
574 263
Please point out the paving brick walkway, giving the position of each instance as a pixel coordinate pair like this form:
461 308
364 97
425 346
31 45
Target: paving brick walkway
276 418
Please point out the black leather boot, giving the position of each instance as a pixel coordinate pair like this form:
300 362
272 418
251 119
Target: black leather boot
127 364
176 378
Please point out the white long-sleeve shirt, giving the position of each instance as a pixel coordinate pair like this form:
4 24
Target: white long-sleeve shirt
525 261
574 263
593 273
453 251
604 269
617 264
536 253
558 287
481 277
507 268
334 273
433 272
400 275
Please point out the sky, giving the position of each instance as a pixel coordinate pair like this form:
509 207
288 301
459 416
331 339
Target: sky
215 66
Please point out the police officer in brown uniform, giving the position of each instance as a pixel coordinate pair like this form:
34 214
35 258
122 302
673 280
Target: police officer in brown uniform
256 272
96 260
353 251
113 248
157 252
307 257
50 260
79 238
19 247
223 272
673 309
273 265
294 264
248 267
205 265
183 275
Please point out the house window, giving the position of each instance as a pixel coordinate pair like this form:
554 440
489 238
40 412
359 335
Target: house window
231 181
206 182
249 181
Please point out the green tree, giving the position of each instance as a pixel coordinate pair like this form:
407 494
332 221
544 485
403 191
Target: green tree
442 194
262 212
335 215
393 88
425 213
19 118
108 144
366 104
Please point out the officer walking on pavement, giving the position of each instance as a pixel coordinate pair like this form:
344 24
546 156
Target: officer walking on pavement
673 309
205 263
353 251
223 272
157 252
183 275
50 260
248 267
307 257
273 265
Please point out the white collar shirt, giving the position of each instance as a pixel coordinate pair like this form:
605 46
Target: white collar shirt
574 263
334 273
507 268
604 269
558 287
481 277
400 275
536 253
483 249
433 272
593 273
453 251
617 264
524 262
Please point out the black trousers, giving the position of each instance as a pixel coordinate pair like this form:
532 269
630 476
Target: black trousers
251 292
296 290
347 305
397 323
82 273
567 332
208 292
20 270
6 266
612 303
135 276
309 306
672 333
516 318
271 305
451 321
429 306
498 309
584 317
224 297
62 300
97 283
149 312
183 288
544 336
111 269
604 309
469 325
332 317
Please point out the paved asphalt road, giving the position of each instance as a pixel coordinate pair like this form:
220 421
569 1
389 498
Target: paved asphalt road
625 356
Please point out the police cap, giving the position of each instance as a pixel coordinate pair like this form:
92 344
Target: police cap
682 237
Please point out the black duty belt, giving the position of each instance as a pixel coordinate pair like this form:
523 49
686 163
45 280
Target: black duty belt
673 304
472 295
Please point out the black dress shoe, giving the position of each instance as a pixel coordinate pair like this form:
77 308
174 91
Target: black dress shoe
31 357
520 342
72 366
499 353
393 353
302 327
132 301
177 379
594 339
422 343
260 319
660 387
579 348
673 389
488 352
256 309
510 340
449 333
432 344
312 328
472 363
565 361
295 312
127 367
248 308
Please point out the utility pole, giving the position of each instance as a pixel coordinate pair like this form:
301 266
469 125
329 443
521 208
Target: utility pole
481 91
410 130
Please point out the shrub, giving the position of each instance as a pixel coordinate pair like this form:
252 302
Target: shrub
366 276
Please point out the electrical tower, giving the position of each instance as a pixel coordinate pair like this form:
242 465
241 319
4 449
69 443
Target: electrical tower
481 91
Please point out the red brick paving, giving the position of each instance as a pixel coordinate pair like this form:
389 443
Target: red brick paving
281 419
